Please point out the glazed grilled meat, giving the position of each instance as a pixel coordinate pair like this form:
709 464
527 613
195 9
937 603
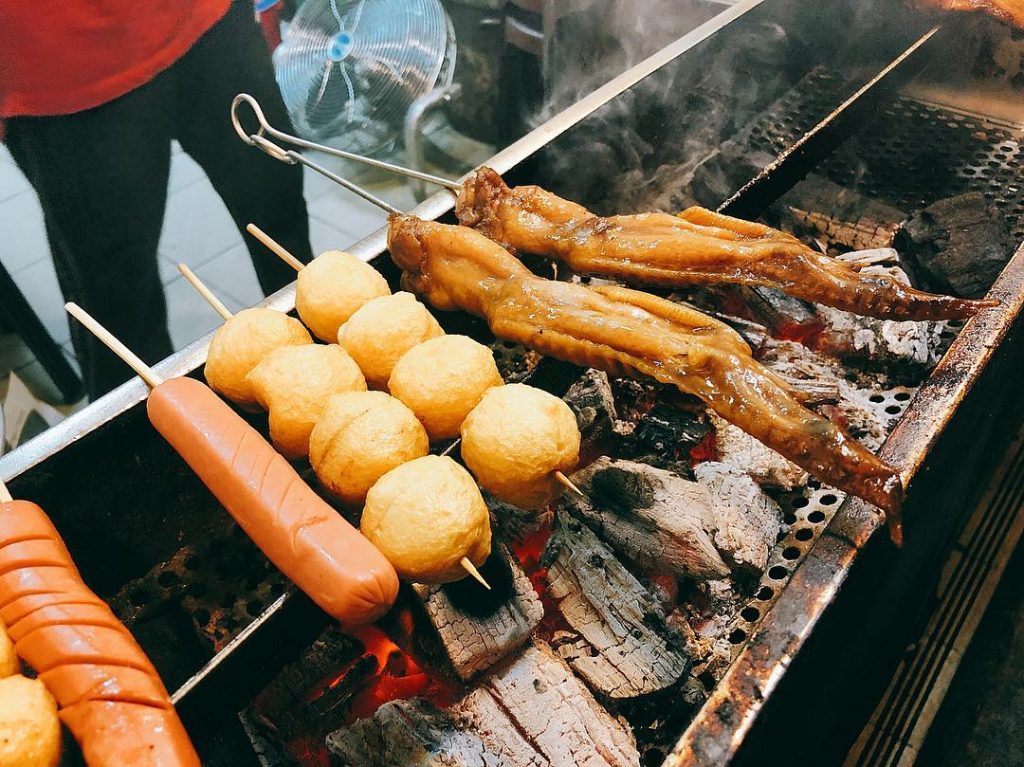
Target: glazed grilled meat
698 246
627 332
1009 11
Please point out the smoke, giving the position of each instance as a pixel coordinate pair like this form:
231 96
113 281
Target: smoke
632 153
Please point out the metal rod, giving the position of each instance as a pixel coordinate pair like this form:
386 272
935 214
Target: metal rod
790 167
290 156
266 129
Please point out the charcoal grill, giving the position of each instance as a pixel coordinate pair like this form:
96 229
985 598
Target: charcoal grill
836 602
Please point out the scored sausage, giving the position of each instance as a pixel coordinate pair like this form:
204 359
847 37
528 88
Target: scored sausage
297 530
110 696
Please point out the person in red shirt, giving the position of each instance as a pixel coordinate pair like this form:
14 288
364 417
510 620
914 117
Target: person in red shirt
92 92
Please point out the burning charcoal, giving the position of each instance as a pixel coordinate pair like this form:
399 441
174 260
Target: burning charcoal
738 449
592 401
852 407
411 733
904 350
623 647
664 437
265 744
478 627
816 376
957 245
852 220
511 523
745 537
534 712
655 518
285 702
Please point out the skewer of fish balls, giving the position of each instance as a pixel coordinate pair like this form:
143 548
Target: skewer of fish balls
396 341
373 325
293 382
242 342
356 440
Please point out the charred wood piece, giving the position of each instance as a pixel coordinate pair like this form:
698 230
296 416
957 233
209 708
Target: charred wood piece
957 245
738 449
903 350
744 537
621 644
411 733
592 401
841 216
478 628
534 712
512 524
664 436
655 518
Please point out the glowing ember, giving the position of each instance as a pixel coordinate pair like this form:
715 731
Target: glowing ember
705 450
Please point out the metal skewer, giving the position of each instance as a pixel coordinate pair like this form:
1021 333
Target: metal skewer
259 139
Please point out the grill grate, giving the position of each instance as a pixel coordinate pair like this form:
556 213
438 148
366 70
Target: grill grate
913 155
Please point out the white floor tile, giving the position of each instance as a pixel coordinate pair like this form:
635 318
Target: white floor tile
184 172
168 270
355 217
12 181
38 284
24 236
197 226
323 236
232 277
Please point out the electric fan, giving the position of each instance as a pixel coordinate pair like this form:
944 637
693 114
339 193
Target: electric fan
348 71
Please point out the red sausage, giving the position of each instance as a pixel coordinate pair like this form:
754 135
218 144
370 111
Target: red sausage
302 535
109 694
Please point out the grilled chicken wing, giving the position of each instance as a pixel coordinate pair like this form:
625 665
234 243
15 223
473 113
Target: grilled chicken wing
696 247
626 332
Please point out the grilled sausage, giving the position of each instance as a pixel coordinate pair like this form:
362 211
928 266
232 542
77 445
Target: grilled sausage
300 533
109 694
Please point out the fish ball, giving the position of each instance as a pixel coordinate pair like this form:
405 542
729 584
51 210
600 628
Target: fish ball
384 329
294 383
441 380
241 343
360 437
425 516
331 287
516 439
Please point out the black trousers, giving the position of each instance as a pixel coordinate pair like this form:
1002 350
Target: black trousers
101 177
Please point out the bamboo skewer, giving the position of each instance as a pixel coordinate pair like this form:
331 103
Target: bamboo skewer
5 494
215 302
470 568
276 247
205 292
144 371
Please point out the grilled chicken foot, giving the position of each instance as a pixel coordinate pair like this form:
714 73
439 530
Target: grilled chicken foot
625 332
696 247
